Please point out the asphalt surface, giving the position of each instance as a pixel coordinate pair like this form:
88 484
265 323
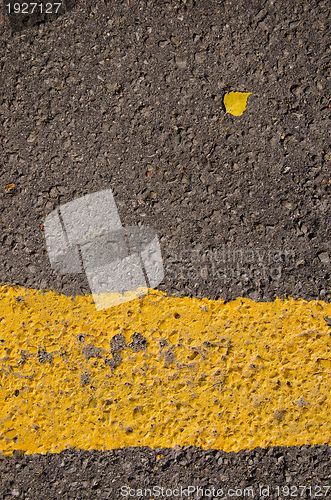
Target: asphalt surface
129 95
122 473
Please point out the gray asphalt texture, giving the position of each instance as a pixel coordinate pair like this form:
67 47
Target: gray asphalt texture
121 473
128 95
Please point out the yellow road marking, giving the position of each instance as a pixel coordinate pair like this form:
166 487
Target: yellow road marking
235 102
180 371
10 188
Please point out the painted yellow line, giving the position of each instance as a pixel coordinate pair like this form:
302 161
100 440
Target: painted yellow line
161 371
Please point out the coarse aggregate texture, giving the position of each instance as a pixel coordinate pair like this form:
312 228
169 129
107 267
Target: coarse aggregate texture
161 372
129 95
77 474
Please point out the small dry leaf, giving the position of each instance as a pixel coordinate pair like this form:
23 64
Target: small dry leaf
235 102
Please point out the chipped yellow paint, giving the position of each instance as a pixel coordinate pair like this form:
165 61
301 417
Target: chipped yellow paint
10 188
235 102
161 371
